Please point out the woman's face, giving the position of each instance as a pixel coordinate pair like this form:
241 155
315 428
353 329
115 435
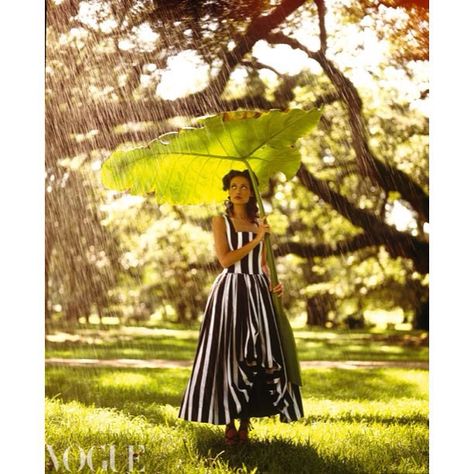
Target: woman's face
239 190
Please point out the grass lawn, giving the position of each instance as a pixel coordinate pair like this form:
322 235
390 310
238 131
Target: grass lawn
356 421
180 344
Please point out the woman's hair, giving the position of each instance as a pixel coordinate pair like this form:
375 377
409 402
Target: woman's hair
251 206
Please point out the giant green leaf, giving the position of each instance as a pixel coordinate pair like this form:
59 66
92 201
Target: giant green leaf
187 167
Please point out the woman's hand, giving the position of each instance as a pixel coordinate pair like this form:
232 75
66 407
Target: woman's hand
278 289
263 228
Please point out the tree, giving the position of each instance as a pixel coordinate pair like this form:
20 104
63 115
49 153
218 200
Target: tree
112 56
80 253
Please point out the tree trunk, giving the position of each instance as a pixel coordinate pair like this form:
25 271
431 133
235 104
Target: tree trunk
181 312
422 317
71 314
317 309
194 310
47 306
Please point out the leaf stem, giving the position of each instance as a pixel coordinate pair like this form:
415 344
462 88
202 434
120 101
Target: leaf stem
270 256
286 333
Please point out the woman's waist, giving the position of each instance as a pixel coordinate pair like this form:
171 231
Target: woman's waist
234 271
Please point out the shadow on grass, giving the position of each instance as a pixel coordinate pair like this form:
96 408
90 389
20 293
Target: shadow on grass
273 456
146 391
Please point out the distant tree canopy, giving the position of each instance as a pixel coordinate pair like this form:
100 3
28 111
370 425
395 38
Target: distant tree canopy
105 61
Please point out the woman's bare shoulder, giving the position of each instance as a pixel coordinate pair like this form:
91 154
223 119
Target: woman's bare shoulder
218 220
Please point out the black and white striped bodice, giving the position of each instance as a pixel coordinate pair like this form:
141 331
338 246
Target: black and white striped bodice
251 263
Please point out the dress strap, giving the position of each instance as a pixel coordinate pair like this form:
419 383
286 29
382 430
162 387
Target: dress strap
229 230
229 220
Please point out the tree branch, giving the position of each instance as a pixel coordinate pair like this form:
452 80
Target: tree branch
405 3
358 242
386 176
258 65
322 24
258 29
397 243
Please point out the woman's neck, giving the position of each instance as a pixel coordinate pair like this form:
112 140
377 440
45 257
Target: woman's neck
239 212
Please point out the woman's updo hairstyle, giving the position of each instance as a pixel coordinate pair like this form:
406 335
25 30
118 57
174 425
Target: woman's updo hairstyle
251 206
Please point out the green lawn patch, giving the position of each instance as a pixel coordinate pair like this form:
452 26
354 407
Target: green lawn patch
180 344
356 421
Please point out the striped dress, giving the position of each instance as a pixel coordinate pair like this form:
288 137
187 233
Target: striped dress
239 370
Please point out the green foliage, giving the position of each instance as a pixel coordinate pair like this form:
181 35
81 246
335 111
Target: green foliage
368 280
165 255
187 167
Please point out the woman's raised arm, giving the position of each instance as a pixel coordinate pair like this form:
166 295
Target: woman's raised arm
226 256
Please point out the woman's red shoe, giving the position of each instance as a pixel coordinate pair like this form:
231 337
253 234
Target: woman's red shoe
231 436
243 433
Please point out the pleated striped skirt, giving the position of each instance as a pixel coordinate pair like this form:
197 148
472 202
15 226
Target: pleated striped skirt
239 369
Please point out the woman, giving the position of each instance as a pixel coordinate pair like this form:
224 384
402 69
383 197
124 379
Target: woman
239 370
